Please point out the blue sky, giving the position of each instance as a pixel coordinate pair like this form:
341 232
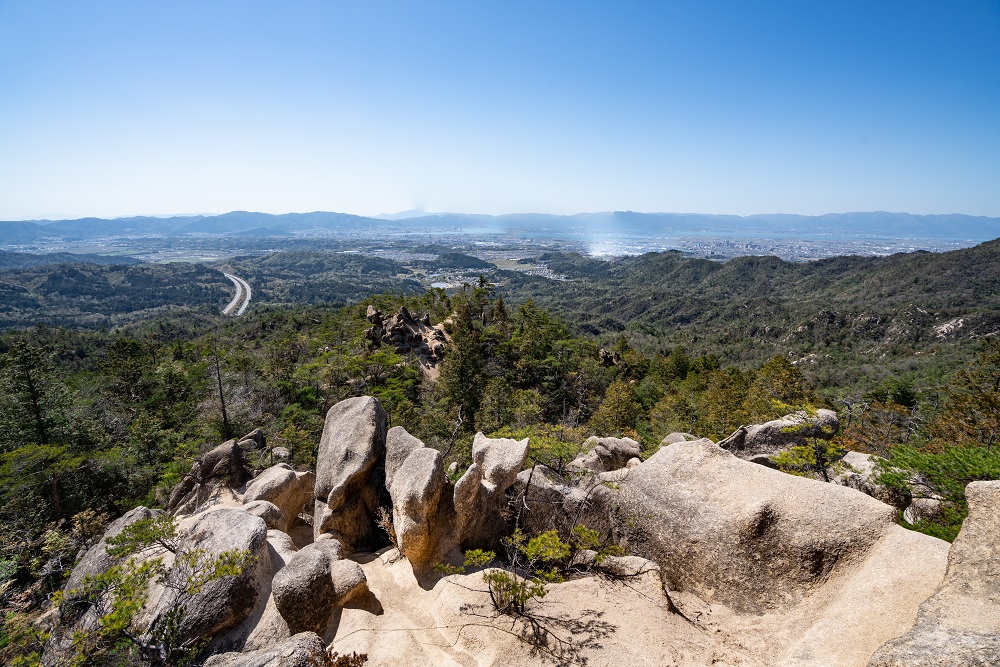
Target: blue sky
124 108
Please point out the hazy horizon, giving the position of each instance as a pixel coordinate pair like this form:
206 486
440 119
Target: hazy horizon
416 213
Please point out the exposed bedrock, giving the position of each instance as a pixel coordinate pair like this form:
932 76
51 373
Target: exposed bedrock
350 473
773 436
606 454
408 335
282 486
480 495
220 471
305 649
959 625
748 536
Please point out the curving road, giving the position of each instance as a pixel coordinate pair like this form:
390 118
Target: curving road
240 302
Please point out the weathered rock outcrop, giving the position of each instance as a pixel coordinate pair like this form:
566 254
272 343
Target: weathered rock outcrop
253 440
554 503
349 582
858 472
408 334
480 493
399 444
607 454
350 473
304 590
422 521
765 568
219 471
742 534
677 436
269 512
284 487
225 602
959 625
922 509
773 436
305 649
280 548
97 559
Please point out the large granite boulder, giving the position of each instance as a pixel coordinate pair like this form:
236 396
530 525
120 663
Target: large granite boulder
305 649
269 512
480 493
349 582
552 502
219 471
71 616
959 625
399 444
422 522
350 473
225 602
284 487
789 431
741 534
304 591
606 454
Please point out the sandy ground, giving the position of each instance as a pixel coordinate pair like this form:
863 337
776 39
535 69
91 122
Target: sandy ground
596 621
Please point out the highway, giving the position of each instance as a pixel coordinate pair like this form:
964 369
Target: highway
240 302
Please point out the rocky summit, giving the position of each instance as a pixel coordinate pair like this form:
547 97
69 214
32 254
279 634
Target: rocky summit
696 556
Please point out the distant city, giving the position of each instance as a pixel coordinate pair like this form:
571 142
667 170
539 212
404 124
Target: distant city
505 241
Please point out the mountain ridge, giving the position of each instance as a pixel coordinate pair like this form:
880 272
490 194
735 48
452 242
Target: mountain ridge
627 223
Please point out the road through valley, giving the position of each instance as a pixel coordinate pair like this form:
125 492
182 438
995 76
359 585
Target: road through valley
242 299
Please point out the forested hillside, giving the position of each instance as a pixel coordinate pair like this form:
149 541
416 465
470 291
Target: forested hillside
851 320
321 277
92 295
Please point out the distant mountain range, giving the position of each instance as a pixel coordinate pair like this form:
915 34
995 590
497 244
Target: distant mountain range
878 224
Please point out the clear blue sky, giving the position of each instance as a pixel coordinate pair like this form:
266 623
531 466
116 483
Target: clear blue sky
804 106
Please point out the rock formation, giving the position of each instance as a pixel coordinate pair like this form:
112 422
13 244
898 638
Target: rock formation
305 591
606 454
219 472
398 446
959 625
305 649
729 562
269 512
409 335
480 493
226 602
416 497
677 436
281 485
739 533
555 503
350 472
773 436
